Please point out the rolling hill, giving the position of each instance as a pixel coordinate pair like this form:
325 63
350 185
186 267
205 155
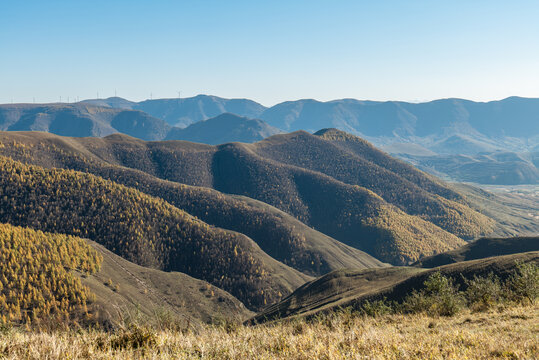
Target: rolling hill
224 128
445 126
127 292
278 234
482 248
99 119
350 288
313 195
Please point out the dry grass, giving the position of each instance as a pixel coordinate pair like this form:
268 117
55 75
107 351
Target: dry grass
511 333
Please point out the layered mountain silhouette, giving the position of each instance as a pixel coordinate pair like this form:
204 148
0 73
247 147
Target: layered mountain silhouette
185 111
446 126
99 119
81 120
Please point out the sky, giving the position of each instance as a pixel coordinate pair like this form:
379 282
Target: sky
268 51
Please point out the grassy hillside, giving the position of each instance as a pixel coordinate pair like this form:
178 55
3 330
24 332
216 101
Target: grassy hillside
351 288
278 234
142 229
499 334
127 293
341 209
482 248
36 284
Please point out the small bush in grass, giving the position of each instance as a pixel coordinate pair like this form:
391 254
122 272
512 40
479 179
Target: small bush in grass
523 285
483 292
134 338
440 296
377 307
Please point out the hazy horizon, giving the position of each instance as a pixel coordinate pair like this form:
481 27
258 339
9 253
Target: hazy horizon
73 101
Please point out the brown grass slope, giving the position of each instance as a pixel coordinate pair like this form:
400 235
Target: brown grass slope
141 228
278 234
350 288
349 213
126 292
481 248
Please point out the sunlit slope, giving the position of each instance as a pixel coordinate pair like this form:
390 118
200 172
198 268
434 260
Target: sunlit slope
36 284
56 280
351 214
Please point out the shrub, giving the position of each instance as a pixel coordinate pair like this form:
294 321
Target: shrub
439 296
483 292
377 307
134 338
523 285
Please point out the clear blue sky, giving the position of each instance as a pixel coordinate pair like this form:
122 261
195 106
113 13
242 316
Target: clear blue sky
269 51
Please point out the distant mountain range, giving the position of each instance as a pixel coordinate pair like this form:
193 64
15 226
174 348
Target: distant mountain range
457 139
446 126
185 111
86 119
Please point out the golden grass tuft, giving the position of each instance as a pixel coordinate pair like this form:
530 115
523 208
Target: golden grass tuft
511 333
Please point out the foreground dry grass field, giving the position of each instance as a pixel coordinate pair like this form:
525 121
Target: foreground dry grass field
511 334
